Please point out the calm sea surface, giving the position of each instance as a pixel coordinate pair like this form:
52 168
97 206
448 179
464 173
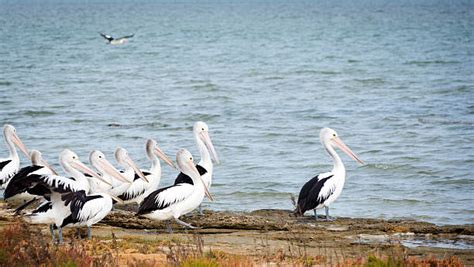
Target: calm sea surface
395 79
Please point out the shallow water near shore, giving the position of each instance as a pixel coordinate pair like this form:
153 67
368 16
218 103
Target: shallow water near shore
394 79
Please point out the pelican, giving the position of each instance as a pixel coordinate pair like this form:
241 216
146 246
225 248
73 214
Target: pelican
173 201
54 211
112 178
325 188
139 188
10 165
116 41
130 172
87 209
39 167
207 153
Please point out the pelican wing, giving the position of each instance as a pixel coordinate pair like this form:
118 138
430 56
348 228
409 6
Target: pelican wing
165 197
4 163
81 206
42 185
183 178
126 37
107 37
20 183
313 193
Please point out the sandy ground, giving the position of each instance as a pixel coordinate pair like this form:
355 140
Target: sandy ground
273 233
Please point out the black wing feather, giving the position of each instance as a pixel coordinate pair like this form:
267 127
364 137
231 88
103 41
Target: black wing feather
21 181
77 200
107 37
149 203
4 163
183 178
309 195
136 177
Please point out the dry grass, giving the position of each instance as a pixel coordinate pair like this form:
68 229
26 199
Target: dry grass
23 245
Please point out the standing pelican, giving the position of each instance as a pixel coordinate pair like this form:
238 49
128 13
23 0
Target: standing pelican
207 153
10 165
54 211
139 188
326 187
173 201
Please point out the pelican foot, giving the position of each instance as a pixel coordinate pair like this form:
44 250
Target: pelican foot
330 219
185 224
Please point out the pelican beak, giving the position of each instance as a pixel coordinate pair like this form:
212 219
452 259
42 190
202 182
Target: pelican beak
196 173
164 157
83 168
109 169
119 201
207 141
137 170
338 142
46 164
17 141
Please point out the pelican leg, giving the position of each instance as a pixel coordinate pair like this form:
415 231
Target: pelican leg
184 224
168 227
315 215
60 235
200 210
89 232
51 230
327 214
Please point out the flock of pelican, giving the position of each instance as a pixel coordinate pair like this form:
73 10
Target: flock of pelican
85 196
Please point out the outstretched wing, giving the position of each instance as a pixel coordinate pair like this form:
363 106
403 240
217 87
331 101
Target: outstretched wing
107 37
42 185
126 36
165 197
19 183
313 193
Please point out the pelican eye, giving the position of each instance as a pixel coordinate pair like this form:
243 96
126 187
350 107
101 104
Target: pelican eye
203 129
334 135
190 158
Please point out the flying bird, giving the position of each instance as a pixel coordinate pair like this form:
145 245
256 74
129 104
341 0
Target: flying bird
116 41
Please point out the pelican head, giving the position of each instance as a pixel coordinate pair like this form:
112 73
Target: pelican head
121 156
9 133
201 130
152 149
329 136
37 160
184 159
69 158
98 160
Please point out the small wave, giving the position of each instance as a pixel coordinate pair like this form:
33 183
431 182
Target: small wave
382 166
38 113
5 83
453 181
323 72
206 86
430 62
371 81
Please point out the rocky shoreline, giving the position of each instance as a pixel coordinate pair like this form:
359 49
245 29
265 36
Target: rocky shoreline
268 233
